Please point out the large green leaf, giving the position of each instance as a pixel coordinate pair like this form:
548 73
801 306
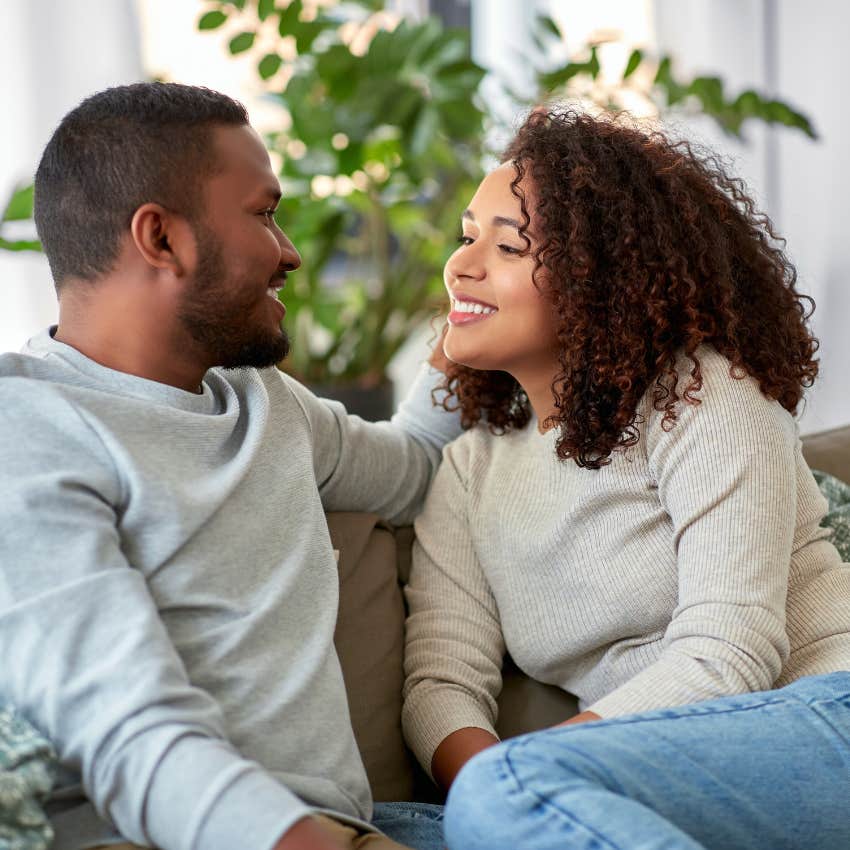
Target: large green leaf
561 76
19 206
265 8
20 244
548 25
289 17
269 65
426 126
632 65
211 20
242 42
710 91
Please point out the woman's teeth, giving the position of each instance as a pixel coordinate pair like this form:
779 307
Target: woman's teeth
472 307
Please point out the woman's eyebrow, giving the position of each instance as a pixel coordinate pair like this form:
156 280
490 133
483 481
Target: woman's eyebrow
498 220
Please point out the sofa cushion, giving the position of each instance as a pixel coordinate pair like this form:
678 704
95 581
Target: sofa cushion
829 451
27 768
837 494
370 642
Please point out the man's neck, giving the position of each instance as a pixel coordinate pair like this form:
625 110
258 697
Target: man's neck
131 338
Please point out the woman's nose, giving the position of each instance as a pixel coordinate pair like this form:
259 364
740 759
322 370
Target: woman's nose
465 263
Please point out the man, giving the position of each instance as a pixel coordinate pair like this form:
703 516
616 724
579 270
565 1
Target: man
168 589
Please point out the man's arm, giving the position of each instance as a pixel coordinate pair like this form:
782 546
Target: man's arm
86 656
382 467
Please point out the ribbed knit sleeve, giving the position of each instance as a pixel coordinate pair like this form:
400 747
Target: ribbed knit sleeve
726 475
453 643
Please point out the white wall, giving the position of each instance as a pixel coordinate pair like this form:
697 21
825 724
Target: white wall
53 56
50 62
798 47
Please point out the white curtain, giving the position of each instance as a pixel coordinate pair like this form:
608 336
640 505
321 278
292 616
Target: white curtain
53 56
795 50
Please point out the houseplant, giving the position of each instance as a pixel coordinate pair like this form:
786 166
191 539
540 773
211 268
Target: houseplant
381 146
381 142
18 210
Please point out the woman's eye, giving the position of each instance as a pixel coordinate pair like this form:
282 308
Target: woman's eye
509 249
464 240
269 214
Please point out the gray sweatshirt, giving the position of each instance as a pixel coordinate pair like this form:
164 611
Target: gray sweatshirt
168 591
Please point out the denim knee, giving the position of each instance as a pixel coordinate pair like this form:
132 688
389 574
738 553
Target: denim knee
503 800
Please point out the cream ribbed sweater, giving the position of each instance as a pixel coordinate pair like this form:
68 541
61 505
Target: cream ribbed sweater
691 567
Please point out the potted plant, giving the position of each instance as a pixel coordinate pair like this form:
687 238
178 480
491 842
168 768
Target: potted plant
380 148
381 143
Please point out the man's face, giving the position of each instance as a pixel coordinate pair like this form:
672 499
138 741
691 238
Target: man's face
230 306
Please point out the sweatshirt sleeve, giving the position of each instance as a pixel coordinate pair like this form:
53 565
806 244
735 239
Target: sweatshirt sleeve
453 637
726 476
87 659
379 467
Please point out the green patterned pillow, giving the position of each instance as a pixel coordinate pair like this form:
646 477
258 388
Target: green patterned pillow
27 765
837 494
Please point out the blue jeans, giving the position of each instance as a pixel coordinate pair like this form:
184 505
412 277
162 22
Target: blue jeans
418 825
762 771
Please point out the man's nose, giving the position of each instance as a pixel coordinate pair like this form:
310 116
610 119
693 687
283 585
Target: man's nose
290 259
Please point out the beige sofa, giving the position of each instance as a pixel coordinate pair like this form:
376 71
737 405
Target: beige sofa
370 631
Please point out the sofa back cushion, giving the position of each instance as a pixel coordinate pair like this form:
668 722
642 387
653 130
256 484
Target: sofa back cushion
829 451
369 640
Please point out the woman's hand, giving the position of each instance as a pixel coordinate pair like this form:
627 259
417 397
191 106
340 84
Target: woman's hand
584 717
456 750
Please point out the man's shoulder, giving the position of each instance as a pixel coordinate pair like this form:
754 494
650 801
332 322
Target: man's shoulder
34 400
25 379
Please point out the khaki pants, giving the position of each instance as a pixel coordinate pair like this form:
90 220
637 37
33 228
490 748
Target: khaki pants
347 836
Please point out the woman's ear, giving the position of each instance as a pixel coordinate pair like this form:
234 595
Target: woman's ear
163 239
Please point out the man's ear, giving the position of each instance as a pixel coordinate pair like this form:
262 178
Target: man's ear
164 239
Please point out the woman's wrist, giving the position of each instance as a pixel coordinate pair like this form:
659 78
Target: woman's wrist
456 750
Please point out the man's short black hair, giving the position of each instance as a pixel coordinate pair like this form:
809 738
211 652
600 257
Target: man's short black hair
119 149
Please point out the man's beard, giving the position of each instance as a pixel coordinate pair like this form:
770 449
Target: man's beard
216 314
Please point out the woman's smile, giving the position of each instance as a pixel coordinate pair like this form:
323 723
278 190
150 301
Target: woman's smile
466 310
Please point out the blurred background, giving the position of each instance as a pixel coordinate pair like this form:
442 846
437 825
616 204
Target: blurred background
381 117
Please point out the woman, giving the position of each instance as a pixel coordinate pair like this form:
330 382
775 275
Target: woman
635 522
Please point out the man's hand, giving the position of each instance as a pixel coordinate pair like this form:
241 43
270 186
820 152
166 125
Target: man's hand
308 834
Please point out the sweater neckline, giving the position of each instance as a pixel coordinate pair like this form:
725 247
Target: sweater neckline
45 346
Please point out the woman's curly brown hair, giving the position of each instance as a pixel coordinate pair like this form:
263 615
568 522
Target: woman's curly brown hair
647 248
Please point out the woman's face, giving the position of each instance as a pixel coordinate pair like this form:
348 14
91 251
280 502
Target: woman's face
499 319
